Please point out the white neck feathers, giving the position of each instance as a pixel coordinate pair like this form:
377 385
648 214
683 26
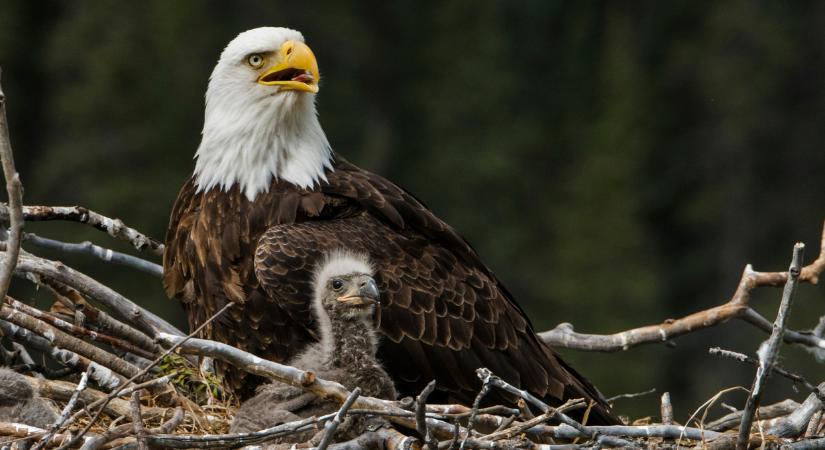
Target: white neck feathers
249 144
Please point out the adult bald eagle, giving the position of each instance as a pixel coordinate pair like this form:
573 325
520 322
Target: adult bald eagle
269 197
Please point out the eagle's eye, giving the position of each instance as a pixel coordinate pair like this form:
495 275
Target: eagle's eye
337 284
255 60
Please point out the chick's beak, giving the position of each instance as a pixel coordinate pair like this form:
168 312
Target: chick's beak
367 294
369 290
295 69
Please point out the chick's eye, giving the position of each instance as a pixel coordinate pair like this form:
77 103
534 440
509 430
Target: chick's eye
255 61
337 284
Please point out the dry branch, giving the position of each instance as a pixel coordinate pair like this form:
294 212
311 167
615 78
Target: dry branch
63 390
63 340
137 422
77 330
769 351
14 188
145 320
113 227
21 431
796 378
97 251
299 378
564 336
64 415
103 376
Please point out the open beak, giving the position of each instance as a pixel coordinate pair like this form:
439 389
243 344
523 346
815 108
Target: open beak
367 295
295 69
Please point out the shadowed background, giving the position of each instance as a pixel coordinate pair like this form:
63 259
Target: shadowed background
616 164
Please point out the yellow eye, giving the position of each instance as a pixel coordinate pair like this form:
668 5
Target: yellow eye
255 61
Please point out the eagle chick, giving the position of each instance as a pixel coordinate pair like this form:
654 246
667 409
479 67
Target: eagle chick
344 299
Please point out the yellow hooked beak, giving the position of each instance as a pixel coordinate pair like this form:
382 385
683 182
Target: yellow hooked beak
295 69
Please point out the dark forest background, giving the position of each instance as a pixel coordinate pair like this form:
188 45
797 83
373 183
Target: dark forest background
616 163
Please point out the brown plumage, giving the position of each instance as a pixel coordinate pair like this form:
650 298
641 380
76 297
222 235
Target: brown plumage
445 312
269 197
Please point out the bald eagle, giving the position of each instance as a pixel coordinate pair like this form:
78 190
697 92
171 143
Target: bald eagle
269 197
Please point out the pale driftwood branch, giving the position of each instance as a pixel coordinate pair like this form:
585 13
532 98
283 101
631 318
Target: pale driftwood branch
666 409
332 425
102 321
77 330
769 351
383 438
299 378
104 402
22 431
137 422
732 420
589 432
97 251
741 357
485 388
113 227
564 336
103 376
143 319
14 188
63 340
795 423
64 415
430 443
234 440
631 395
813 424
63 390
151 385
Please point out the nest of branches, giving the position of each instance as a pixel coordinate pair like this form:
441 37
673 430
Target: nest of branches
122 377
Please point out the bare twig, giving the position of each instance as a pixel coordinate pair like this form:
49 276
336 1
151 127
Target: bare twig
113 227
667 409
631 395
64 415
332 425
485 388
103 376
14 188
731 420
22 431
769 351
125 391
589 432
813 424
420 417
145 320
77 330
137 422
564 336
795 423
101 319
796 378
299 378
63 391
89 248
63 340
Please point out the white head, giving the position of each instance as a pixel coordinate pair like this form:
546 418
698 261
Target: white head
260 119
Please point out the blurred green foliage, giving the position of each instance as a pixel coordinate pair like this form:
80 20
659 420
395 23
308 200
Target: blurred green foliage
616 163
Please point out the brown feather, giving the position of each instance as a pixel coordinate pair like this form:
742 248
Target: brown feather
443 312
